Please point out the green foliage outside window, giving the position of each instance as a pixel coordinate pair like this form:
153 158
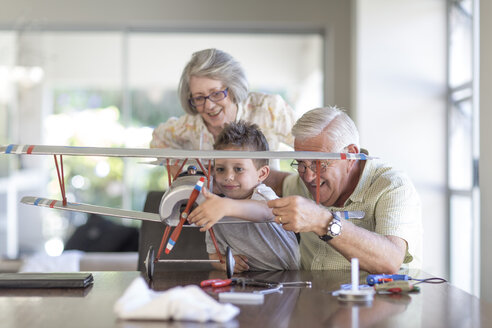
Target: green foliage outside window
92 118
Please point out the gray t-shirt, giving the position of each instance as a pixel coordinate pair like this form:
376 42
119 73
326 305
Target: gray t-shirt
267 246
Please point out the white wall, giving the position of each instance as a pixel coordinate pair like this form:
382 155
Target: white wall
485 149
400 79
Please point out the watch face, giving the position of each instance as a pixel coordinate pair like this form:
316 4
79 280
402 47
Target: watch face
335 229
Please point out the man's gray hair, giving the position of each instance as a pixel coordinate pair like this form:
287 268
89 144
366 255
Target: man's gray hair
217 65
332 121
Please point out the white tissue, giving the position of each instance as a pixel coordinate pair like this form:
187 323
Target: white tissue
179 303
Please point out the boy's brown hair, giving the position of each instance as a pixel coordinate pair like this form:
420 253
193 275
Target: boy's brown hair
244 135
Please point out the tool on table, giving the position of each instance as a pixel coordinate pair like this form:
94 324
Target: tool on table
272 286
277 289
252 282
221 286
307 284
237 281
374 279
395 287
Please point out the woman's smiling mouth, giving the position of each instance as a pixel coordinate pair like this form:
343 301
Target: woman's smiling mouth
213 114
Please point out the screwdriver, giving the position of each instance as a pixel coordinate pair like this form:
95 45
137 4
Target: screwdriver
373 279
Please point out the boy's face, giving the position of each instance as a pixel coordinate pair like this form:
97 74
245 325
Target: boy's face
237 178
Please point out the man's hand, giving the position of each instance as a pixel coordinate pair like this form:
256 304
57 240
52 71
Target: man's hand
210 211
300 214
376 253
240 266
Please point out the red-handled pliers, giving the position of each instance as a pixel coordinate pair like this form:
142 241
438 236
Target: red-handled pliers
218 282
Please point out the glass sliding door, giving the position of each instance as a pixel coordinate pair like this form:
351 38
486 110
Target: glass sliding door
110 89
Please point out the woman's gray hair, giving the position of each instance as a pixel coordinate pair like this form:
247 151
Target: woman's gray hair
331 120
217 65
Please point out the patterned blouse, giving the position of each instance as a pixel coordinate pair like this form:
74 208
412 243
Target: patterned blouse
270 112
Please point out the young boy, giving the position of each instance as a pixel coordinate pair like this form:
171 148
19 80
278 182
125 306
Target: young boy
260 246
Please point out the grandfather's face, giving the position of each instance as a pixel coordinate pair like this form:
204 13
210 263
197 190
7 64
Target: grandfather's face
214 114
333 179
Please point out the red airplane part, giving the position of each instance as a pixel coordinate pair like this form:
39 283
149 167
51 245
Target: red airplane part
184 215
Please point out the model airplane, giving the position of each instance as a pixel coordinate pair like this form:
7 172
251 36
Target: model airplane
179 199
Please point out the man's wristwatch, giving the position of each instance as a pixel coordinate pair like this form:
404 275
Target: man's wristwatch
334 228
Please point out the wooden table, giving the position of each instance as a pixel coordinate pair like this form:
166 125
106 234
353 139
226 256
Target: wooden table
440 305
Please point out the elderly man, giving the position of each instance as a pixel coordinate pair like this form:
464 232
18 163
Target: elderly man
389 234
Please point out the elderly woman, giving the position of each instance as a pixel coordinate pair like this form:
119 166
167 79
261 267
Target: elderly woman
214 91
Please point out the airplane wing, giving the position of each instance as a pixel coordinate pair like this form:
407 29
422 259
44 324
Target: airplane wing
172 153
85 208
110 211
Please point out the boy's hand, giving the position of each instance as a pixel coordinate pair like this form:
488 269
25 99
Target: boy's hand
240 266
210 211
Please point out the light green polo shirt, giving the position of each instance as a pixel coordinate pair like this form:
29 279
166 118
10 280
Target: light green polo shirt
391 205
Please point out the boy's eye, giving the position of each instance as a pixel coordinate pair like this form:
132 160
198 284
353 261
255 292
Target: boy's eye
219 169
238 169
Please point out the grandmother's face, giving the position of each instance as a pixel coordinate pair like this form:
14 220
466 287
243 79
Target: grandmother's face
215 114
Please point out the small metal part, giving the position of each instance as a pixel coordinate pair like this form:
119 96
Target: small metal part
241 298
187 261
149 263
307 284
277 289
230 262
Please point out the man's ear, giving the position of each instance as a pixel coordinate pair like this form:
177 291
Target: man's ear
352 149
264 172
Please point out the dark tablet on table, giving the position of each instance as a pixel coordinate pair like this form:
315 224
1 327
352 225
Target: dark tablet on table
46 280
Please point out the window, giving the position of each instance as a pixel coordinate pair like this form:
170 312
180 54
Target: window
110 89
462 148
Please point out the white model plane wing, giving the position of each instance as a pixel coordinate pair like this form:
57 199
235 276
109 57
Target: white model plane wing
85 208
172 153
110 211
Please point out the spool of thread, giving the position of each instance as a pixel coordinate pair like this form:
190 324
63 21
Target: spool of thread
355 294
355 273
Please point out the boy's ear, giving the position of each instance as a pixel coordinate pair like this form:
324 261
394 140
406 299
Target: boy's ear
264 172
